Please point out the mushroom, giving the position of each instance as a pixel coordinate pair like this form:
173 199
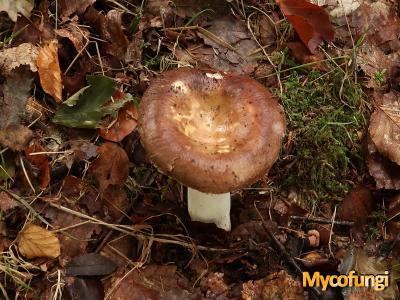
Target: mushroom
214 132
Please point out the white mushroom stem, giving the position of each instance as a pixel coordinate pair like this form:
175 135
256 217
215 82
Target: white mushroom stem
210 208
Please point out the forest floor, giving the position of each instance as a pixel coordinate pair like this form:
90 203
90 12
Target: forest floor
85 215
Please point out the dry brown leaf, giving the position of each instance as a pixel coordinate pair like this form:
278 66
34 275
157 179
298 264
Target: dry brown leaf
15 93
111 167
310 21
385 172
69 7
384 127
14 7
16 137
114 33
49 70
75 240
124 125
24 54
357 205
149 282
35 241
78 35
7 202
40 162
279 285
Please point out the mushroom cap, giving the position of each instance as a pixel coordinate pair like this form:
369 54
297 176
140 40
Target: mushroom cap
213 131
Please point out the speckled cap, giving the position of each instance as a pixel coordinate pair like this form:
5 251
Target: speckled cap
213 131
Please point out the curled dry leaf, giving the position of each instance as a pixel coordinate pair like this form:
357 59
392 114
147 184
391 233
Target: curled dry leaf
49 70
111 167
310 21
24 54
385 172
384 129
16 137
14 7
124 125
35 241
77 35
40 162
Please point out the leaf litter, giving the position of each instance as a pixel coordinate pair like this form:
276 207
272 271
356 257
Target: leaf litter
71 159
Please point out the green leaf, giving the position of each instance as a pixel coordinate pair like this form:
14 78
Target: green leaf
84 108
115 106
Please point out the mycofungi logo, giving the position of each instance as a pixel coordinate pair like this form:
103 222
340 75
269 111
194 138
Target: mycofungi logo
377 282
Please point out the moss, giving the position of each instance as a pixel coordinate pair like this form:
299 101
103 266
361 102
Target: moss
325 115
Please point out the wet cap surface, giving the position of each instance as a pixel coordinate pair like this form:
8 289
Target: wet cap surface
213 131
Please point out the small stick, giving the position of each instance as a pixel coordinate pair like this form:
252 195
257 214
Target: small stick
286 254
322 220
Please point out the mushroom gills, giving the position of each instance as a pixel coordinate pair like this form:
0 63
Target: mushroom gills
210 208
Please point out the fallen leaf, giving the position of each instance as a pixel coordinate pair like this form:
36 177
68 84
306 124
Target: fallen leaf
189 8
117 41
278 285
78 35
41 162
384 127
15 93
24 54
310 21
91 264
303 56
111 167
75 239
357 205
358 260
69 7
84 108
35 241
385 172
14 7
16 137
115 200
227 46
124 125
49 70
79 191
149 282
7 202
84 288
83 149
214 285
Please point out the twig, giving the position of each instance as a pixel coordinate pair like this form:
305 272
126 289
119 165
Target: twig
281 248
130 230
322 220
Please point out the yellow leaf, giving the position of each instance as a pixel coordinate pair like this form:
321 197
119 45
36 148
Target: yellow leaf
35 241
49 70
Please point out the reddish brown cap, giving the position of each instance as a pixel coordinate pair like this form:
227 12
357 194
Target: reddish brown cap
213 131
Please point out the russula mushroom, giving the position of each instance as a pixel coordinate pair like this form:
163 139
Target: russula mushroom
214 132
